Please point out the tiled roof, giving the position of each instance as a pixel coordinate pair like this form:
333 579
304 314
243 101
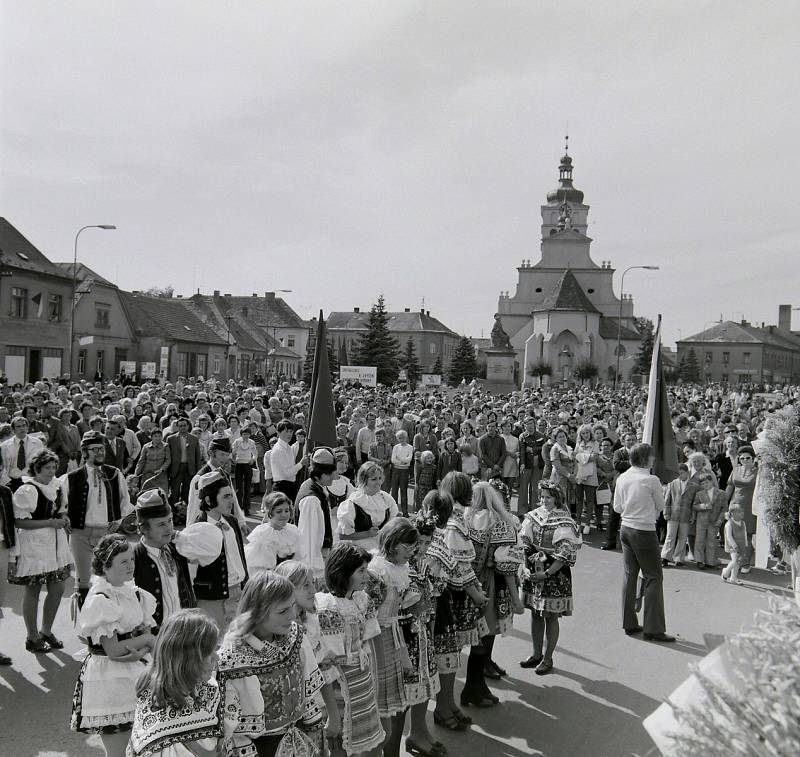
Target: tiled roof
398 322
568 295
168 318
84 273
17 252
608 329
728 332
263 312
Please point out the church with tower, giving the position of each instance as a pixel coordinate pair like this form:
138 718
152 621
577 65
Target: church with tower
564 312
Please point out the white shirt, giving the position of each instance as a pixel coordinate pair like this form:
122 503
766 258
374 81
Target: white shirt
282 464
311 525
236 571
170 598
9 450
639 498
193 505
402 455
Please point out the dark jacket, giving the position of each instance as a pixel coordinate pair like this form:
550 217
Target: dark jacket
211 581
147 577
7 511
193 457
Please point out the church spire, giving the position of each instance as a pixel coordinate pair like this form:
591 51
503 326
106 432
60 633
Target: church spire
565 192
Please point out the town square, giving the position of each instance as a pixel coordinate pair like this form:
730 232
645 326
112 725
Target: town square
399 378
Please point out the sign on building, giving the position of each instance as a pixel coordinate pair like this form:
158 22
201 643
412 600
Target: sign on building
148 370
431 379
129 366
364 374
164 367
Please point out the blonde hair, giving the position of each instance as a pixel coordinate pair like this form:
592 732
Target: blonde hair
486 497
298 574
185 641
365 471
263 590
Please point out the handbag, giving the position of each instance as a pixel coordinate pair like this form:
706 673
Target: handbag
256 475
603 495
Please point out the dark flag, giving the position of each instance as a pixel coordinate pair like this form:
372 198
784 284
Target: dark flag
657 430
322 416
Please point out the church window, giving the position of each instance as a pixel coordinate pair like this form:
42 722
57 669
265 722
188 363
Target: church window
538 289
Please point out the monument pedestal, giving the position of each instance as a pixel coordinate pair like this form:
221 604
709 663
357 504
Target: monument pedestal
500 368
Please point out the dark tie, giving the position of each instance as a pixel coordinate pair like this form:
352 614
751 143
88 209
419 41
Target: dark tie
21 455
168 560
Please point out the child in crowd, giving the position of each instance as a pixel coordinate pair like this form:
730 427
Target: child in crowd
276 539
116 620
348 621
179 707
449 459
470 462
302 578
426 477
267 664
736 544
709 512
389 579
402 457
244 461
340 488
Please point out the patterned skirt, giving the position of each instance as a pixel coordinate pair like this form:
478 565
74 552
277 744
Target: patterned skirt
390 679
422 683
355 697
39 579
455 627
553 595
498 617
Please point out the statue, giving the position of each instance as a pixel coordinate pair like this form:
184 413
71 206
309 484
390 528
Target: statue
500 339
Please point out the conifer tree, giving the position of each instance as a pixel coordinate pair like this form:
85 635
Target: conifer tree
308 364
438 370
410 364
464 364
377 347
646 329
692 366
333 362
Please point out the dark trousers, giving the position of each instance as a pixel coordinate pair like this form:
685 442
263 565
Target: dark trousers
399 487
179 485
243 481
289 488
528 494
614 520
641 552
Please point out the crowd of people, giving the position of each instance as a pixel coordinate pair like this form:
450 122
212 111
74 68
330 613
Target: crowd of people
378 564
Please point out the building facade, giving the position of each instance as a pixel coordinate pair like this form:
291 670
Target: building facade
35 297
741 353
431 338
564 311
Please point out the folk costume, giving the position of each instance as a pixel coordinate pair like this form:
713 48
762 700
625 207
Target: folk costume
273 685
193 502
347 626
105 694
268 546
338 491
164 731
314 523
416 614
388 582
361 511
553 535
449 565
43 554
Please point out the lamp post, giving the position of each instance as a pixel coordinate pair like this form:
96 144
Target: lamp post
106 227
266 334
619 320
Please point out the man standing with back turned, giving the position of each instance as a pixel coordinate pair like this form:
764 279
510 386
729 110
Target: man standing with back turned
639 499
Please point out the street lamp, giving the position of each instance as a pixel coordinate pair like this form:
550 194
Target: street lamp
619 320
106 227
266 334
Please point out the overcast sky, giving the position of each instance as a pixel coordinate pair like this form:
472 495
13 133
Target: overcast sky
342 149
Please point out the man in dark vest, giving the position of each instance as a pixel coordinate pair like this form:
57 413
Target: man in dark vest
7 542
313 511
221 575
219 459
160 567
97 496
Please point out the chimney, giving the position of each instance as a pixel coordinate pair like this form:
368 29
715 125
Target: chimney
269 295
216 293
427 312
422 311
255 294
407 310
135 292
356 310
179 296
785 317
227 294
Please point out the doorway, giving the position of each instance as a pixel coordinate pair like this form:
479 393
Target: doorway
34 365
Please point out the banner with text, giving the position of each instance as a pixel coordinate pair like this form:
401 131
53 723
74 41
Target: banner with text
148 370
431 379
364 374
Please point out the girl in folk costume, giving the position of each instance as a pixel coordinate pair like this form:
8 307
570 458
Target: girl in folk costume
368 509
116 619
276 539
43 554
180 710
348 622
493 531
340 488
313 512
417 609
389 580
267 665
302 578
563 467
550 540
222 573
461 599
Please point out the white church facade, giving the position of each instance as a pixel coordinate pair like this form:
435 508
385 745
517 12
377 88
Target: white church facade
564 310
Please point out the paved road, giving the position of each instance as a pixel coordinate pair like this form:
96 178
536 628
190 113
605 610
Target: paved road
593 704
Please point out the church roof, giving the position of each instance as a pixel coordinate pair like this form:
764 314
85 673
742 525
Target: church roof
608 329
568 295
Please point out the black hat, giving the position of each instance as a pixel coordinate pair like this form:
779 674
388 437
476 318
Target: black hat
223 444
92 437
153 503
